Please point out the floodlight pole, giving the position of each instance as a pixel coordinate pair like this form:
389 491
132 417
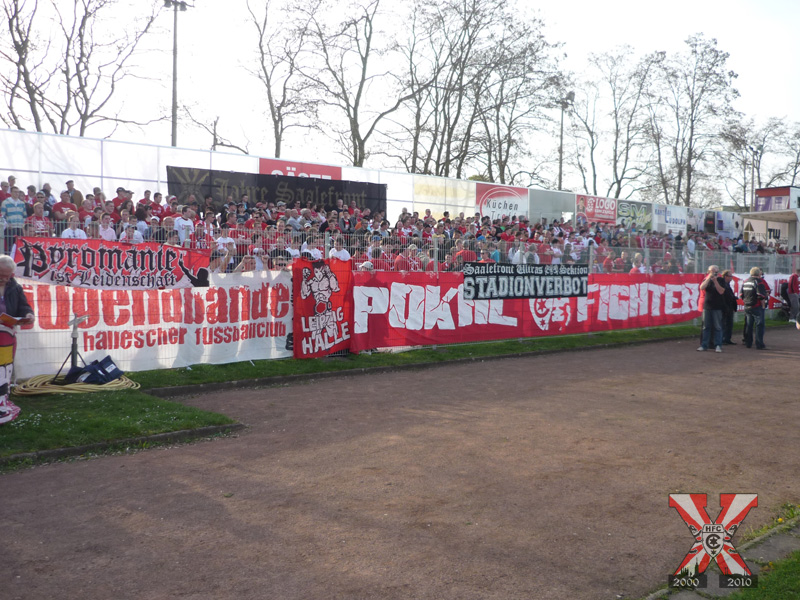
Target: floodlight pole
566 102
175 75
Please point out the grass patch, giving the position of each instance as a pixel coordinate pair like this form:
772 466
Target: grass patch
275 368
786 513
780 582
62 421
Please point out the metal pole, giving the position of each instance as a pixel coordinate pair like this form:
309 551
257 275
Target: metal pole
561 147
753 183
175 76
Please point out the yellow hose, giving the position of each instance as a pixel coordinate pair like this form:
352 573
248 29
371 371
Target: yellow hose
43 384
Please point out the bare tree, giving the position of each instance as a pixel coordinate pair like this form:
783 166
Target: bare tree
611 116
446 117
65 79
522 80
212 128
279 51
689 104
349 72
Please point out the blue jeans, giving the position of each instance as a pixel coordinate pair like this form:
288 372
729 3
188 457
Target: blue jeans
754 319
712 322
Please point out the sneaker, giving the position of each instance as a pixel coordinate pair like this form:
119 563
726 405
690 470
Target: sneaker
728 343
792 321
701 349
719 348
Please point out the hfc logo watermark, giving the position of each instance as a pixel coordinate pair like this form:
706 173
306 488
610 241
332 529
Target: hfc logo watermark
713 540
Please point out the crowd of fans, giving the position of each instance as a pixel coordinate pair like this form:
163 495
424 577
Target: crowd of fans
246 236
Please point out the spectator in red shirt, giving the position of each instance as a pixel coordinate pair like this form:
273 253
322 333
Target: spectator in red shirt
120 197
4 193
408 260
379 261
256 222
86 210
793 290
60 210
608 263
200 239
42 226
156 208
146 201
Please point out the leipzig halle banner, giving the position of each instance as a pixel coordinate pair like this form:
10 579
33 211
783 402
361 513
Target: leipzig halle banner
494 281
102 264
323 306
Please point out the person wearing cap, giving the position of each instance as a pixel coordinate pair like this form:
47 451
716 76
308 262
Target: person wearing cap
73 231
75 196
153 224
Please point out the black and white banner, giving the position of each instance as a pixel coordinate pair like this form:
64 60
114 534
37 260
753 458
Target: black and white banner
493 281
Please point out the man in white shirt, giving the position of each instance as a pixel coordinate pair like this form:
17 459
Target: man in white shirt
339 251
72 232
184 224
131 235
106 229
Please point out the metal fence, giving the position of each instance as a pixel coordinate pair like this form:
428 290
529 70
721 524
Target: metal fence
391 252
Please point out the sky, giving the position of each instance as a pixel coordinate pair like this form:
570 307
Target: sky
215 41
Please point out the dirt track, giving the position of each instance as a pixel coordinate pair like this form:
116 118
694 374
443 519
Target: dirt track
542 477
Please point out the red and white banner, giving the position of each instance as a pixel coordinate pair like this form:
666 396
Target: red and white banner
323 306
111 265
417 309
240 316
595 209
275 166
498 201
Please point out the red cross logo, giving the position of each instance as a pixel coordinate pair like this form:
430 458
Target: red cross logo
713 540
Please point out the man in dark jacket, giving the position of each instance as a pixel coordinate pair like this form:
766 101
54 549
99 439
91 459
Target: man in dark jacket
730 307
755 294
713 304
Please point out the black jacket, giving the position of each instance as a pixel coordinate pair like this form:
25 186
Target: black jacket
16 302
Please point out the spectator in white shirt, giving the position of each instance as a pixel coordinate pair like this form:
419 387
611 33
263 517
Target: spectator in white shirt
131 235
339 251
107 231
184 224
72 232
